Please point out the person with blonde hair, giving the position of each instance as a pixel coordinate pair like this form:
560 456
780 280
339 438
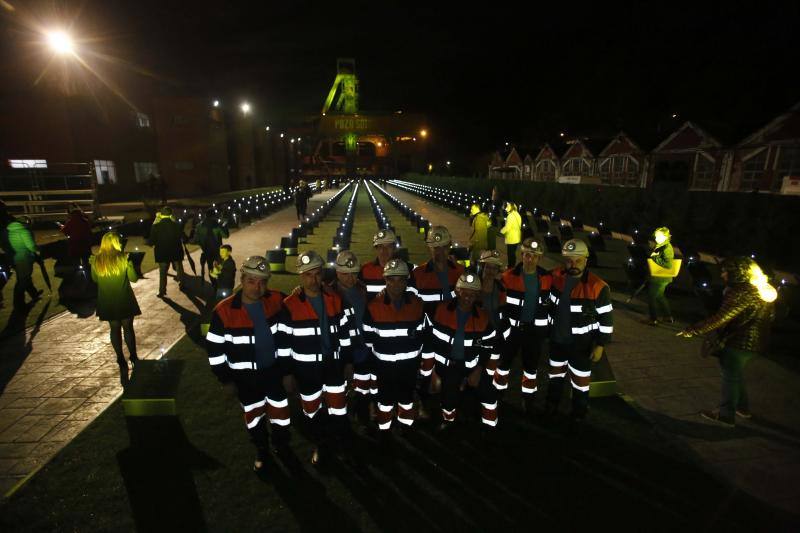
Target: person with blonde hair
113 272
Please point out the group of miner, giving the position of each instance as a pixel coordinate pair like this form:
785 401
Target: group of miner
393 336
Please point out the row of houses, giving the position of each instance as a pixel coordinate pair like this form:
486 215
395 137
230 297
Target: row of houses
768 160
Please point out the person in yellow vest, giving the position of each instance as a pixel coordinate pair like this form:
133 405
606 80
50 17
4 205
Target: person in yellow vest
512 231
479 238
663 255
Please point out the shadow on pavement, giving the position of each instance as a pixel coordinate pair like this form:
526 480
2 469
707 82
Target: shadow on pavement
17 345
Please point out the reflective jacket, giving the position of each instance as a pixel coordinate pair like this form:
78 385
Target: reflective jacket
301 327
512 231
425 281
514 281
231 336
372 276
590 307
394 334
479 338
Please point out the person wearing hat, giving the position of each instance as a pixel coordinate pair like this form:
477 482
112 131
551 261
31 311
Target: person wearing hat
166 238
512 231
582 325
224 272
371 274
394 326
246 347
527 298
354 295
663 255
208 234
435 280
742 325
493 297
479 238
459 346
319 335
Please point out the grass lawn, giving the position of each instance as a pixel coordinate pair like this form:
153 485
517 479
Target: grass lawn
193 472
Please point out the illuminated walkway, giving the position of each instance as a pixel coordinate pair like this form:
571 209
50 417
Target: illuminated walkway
67 371
670 383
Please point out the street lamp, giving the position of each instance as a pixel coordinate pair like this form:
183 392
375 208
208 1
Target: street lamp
423 133
216 103
60 42
245 107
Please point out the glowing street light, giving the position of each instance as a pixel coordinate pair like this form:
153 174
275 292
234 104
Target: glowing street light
423 133
245 107
60 42
266 128
216 103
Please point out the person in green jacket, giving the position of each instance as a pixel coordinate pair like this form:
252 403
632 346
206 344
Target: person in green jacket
479 238
662 255
166 238
512 231
113 272
23 252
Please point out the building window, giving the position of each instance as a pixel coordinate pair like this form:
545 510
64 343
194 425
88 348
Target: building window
142 120
105 171
788 165
545 171
28 163
753 171
618 170
604 169
144 169
703 172
576 167
184 165
632 172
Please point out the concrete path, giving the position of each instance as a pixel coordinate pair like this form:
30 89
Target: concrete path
671 383
67 372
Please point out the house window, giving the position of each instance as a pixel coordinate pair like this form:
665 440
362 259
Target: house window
144 169
618 170
703 172
576 167
105 171
184 165
753 171
788 165
142 120
28 163
545 171
632 173
604 168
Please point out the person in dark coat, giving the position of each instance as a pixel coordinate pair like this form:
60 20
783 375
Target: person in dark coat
208 234
224 272
741 326
78 230
301 196
166 237
113 271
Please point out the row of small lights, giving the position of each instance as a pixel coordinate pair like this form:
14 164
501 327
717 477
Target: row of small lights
322 210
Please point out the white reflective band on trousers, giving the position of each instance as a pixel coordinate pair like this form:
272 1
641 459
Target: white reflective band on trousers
560 365
279 421
254 422
446 362
581 373
334 389
339 411
392 357
252 406
385 408
311 397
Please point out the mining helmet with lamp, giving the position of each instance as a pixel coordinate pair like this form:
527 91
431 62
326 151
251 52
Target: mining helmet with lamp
468 280
531 246
384 236
309 261
438 236
256 266
395 267
490 257
347 262
575 248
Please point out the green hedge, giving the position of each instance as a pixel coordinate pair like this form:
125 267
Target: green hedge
720 223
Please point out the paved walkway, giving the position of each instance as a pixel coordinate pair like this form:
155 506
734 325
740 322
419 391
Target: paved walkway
671 383
67 372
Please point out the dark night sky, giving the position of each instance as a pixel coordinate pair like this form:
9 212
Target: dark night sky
482 75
